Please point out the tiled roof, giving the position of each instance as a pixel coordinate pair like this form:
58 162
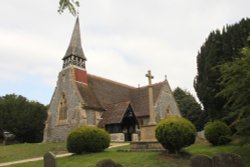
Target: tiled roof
89 97
140 99
107 91
114 97
114 113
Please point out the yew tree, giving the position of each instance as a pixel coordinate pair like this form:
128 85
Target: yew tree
190 108
220 47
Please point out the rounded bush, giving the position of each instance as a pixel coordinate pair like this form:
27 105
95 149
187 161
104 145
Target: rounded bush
108 163
217 133
175 133
87 139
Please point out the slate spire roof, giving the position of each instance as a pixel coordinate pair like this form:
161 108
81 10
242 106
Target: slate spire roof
75 45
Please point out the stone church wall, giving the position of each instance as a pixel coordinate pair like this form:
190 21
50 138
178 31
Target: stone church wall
91 117
166 105
57 130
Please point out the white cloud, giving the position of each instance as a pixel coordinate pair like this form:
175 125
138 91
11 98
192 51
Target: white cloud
27 54
121 39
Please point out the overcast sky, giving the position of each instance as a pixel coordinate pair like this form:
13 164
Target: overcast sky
121 40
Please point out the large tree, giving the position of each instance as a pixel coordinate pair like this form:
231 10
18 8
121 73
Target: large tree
26 119
219 48
190 108
235 79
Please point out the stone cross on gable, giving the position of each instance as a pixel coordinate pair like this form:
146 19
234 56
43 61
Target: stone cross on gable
150 77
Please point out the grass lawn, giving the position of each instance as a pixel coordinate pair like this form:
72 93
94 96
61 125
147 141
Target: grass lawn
207 149
127 159
24 151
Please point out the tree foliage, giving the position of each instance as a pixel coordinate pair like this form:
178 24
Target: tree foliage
107 163
26 119
87 139
190 108
174 133
235 79
217 133
219 48
71 5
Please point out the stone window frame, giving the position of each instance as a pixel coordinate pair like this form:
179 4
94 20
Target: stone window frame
64 120
168 112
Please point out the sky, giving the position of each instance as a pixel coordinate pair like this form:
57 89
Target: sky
121 39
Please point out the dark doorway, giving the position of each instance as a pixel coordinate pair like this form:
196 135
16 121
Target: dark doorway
120 118
128 124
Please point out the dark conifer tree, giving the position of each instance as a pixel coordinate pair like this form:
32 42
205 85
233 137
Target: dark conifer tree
190 108
24 118
219 48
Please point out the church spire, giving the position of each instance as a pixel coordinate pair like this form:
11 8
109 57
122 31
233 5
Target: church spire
74 54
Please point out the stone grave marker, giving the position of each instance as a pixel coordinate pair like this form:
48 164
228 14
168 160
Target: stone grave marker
9 138
227 160
49 160
201 161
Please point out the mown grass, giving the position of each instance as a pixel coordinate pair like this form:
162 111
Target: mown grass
127 159
208 149
23 151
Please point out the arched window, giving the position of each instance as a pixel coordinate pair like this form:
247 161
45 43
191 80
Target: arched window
168 112
62 108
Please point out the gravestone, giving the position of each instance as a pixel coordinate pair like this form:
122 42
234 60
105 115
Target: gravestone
49 160
227 160
201 161
9 138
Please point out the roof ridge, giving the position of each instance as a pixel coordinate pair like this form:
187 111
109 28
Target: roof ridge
125 101
112 81
122 84
157 83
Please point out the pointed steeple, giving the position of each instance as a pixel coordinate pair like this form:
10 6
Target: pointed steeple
74 54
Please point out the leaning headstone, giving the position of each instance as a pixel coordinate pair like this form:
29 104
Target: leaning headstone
49 160
108 163
227 160
201 161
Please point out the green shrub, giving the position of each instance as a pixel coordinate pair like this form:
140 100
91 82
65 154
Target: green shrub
175 133
108 163
87 139
217 133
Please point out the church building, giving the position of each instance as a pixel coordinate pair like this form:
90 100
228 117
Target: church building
81 99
